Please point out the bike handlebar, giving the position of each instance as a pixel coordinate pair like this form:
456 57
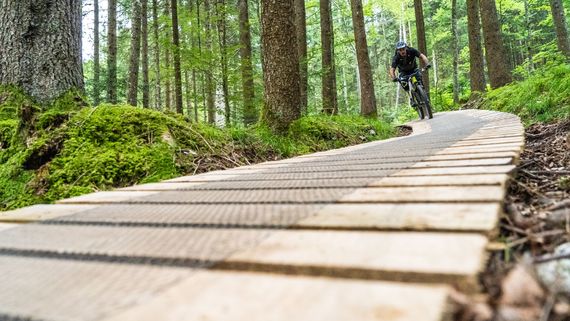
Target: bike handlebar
399 78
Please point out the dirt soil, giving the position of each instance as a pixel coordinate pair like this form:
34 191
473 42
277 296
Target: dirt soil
536 221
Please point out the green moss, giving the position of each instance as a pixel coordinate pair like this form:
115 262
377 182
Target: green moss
11 100
564 183
543 97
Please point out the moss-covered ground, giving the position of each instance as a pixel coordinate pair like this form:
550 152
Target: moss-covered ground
541 98
67 148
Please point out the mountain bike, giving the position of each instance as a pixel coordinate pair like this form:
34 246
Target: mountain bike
419 97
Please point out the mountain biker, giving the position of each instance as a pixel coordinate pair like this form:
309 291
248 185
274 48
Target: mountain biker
405 60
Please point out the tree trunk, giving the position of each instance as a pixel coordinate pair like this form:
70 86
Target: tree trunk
96 56
135 54
421 34
112 52
497 64
559 19
193 99
455 41
328 68
209 81
176 56
199 38
301 30
188 95
280 65
476 72
248 89
528 39
144 36
221 23
202 73
167 63
157 86
368 98
40 46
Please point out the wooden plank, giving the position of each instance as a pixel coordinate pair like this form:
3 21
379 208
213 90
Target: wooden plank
215 175
224 296
168 186
420 217
483 146
505 169
468 162
200 178
495 133
478 136
452 180
390 256
431 194
475 150
104 197
472 156
6 226
487 141
42 212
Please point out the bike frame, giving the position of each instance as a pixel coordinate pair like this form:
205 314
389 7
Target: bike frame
412 81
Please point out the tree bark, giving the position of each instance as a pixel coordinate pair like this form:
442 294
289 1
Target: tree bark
40 46
135 54
157 86
96 56
144 37
421 34
455 41
112 52
330 105
368 98
202 73
476 72
280 65
301 31
194 97
209 81
222 42
248 89
176 56
167 63
557 9
497 64
199 38
528 39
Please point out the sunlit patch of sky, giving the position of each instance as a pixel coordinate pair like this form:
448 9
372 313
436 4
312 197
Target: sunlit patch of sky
88 23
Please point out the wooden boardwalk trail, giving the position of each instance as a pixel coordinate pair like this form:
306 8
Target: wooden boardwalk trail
378 231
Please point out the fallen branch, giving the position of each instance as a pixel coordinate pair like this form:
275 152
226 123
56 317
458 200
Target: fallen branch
551 172
540 260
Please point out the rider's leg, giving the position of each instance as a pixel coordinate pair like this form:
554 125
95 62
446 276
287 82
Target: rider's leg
407 89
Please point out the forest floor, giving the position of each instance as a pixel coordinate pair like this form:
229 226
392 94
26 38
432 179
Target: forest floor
528 273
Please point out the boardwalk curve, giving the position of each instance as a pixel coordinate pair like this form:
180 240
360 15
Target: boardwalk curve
378 231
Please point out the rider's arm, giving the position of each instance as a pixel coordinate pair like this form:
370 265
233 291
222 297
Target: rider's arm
392 72
424 59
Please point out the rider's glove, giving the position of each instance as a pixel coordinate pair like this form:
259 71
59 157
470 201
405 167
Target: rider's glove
395 79
428 66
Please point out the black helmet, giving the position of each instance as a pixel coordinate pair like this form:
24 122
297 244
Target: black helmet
401 44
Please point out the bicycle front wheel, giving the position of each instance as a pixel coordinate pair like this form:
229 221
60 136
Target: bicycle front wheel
417 106
425 103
